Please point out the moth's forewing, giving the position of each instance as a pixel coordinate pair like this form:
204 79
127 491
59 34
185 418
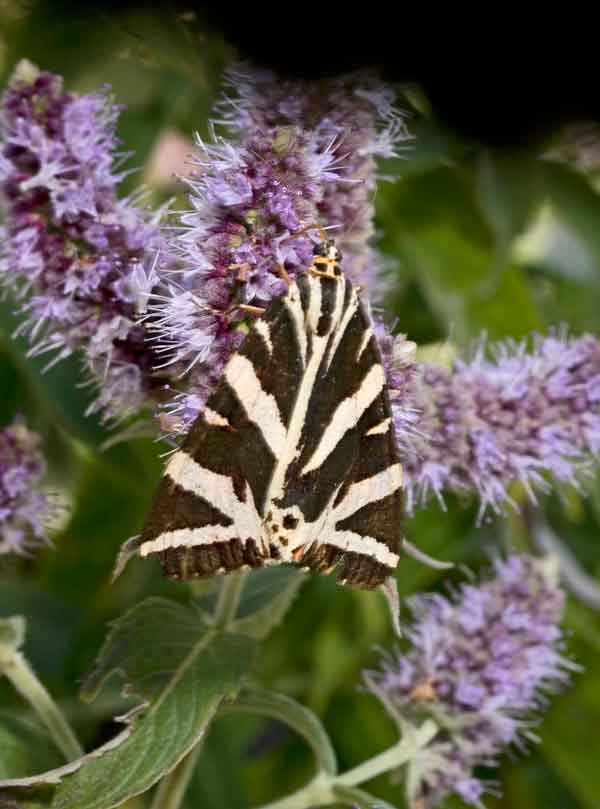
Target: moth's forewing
294 458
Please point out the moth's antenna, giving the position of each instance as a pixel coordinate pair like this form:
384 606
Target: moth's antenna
319 228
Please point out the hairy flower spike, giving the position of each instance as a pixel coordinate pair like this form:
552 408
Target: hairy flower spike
478 665
303 155
72 251
531 414
24 509
352 118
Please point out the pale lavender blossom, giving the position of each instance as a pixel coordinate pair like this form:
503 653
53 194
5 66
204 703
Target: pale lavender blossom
72 251
527 413
479 665
352 117
24 508
401 370
301 154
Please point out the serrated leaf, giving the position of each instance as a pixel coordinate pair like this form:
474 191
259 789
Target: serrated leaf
296 716
266 597
146 646
352 796
167 655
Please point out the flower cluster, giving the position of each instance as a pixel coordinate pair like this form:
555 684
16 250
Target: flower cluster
23 508
352 117
303 154
72 251
527 414
478 665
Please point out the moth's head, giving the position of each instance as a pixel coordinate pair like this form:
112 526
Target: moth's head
326 262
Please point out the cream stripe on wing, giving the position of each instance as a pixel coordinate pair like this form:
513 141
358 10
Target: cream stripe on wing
218 491
294 306
369 490
368 546
262 327
346 416
189 537
214 419
343 324
381 428
368 333
313 313
261 408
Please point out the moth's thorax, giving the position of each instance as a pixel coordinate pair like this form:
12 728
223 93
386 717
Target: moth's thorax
285 532
326 262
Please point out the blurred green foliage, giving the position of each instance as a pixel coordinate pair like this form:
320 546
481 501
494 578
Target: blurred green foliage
506 243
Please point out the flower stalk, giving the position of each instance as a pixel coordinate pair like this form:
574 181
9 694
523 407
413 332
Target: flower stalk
16 668
321 790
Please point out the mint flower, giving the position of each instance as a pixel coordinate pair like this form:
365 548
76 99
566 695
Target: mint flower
527 412
24 509
74 254
479 665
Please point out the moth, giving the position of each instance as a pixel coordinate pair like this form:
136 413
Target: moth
293 459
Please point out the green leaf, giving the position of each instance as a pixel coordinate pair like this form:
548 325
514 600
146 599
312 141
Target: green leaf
296 716
360 799
126 476
266 597
575 202
24 747
56 396
508 187
568 748
52 624
444 243
146 646
184 671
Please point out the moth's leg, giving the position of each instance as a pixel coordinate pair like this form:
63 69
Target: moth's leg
318 228
252 310
242 271
283 273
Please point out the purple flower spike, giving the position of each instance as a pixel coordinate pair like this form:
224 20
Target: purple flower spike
72 251
478 665
303 154
352 121
529 415
23 508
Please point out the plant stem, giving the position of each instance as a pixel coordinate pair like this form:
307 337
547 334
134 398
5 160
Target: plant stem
14 665
316 793
321 790
172 788
390 759
229 599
